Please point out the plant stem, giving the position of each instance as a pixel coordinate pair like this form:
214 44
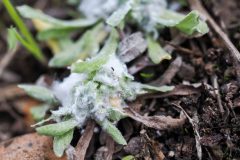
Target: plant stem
37 53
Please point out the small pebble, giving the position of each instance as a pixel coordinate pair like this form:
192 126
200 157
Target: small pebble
171 154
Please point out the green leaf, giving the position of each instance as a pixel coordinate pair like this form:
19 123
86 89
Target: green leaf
29 12
146 75
117 16
115 114
202 28
32 48
59 27
65 42
60 143
40 93
169 18
109 128
94 63
87 45
156 52
189 24
129 157
25 43
11 38
57 129
39 112
29 43
54 33
159 89
73 2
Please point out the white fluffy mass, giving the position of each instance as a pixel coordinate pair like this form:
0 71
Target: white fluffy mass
83 97
63 90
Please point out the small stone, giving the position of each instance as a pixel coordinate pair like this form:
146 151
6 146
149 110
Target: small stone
171 154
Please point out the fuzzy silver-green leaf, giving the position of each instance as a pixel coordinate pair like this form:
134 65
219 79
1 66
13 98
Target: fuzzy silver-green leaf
109 128
117 16
60 143
11 38
115 114
96 62
39 112
189 24
87 45
57 129
59 27
29 12
40 93
156 52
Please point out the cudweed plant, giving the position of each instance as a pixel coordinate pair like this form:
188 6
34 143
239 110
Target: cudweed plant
97 88
99 85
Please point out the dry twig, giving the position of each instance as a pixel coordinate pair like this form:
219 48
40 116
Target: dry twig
171 71
154 147
110 145
216 91
7 59
157 122
84 141
179 90
194 122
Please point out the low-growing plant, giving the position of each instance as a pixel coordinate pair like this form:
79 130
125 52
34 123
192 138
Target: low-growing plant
96 88
99 85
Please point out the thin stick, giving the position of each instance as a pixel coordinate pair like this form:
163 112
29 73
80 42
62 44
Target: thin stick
110 146
214 79
194 122
84 141
168 75
182 49
7 59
